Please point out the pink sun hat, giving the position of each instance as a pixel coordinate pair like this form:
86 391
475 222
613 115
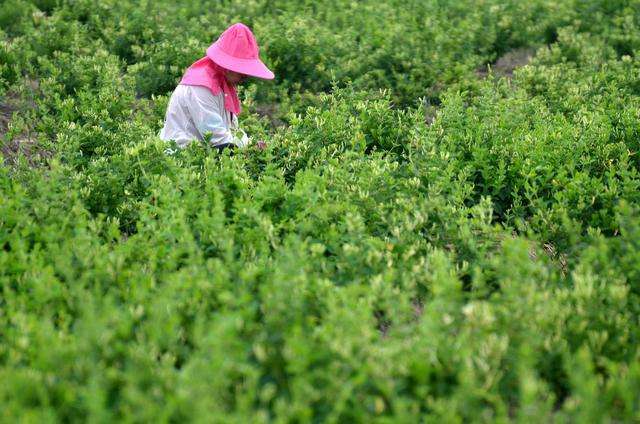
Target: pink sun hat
237 50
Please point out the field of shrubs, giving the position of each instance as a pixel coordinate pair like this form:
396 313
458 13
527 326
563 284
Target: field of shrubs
430 236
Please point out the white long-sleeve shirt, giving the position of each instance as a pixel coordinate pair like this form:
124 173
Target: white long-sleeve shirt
193 112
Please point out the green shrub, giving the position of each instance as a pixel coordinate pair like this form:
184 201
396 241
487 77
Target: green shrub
418 242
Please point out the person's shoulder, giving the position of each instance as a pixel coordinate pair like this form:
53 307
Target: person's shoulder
202 91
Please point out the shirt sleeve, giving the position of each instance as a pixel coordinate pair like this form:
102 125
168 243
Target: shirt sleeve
207 111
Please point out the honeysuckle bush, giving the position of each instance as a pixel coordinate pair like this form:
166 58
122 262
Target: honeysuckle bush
370 264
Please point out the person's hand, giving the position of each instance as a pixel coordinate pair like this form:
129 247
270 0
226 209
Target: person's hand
261 145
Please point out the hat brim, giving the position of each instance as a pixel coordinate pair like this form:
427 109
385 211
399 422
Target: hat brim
251 67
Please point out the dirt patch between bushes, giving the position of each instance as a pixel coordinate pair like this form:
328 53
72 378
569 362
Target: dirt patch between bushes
5 117
506 65
270 111
24 143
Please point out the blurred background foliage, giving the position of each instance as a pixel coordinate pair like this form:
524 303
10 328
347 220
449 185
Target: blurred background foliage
431 234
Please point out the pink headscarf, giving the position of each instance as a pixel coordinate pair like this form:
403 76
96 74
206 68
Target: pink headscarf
207 73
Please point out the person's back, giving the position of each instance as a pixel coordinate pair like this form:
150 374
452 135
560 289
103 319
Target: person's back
194 113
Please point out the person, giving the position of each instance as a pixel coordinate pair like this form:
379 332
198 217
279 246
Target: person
205 105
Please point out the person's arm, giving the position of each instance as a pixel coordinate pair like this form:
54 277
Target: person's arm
242 140
206 112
